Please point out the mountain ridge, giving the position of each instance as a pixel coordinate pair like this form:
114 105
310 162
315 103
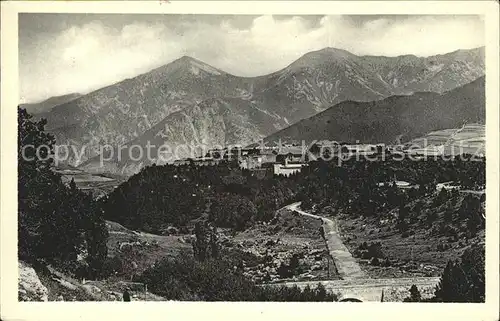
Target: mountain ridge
384 121
125 111
49 103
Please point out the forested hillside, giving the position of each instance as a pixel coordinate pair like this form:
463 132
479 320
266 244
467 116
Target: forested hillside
62 233
163 196
396 117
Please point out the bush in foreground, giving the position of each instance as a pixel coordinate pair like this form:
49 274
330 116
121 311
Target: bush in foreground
215 280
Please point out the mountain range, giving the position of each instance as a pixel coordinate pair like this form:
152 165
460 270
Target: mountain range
397 118
190 101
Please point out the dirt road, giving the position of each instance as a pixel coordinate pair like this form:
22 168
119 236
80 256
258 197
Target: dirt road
345 263
368 283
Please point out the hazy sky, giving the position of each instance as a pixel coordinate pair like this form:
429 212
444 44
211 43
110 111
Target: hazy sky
65 53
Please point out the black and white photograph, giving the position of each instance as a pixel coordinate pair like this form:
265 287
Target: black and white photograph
252 157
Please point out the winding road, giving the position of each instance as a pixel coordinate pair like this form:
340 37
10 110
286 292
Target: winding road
346 265
355 284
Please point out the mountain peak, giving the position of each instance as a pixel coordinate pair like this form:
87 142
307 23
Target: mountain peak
185 58
334 50
192 65
330 53
189 94
318 57
183 61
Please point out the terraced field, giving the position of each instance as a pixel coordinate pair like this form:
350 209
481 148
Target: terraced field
98 184
469 139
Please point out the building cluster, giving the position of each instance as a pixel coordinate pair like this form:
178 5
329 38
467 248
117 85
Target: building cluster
287 159
284 160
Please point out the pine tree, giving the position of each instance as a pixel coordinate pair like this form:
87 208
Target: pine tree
214 245
206 245
415 294
463 281
200 245
96 237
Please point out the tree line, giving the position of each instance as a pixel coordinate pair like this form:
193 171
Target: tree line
57 223
462 280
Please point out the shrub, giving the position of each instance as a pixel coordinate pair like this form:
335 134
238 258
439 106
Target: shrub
294 262
284 271
369 250
374 261
386 262
215 280
414 295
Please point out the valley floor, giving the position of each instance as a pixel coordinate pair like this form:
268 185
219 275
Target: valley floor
291 249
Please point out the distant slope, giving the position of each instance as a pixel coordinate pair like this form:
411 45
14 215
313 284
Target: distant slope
47 105
409 74
124 111
216 122
386 120
99 185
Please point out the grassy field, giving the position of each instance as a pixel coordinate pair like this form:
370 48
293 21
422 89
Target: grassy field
98 184
135 251
139 250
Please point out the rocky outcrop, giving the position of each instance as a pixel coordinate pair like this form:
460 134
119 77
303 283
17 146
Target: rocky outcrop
65 288
30 288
